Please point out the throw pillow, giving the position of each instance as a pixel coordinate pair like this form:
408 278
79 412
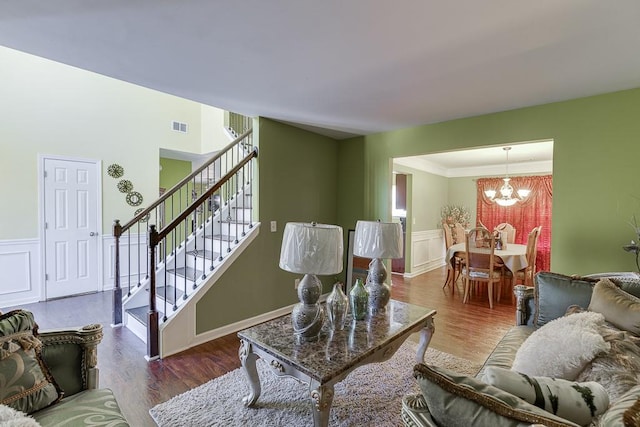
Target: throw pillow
457 400
631 417
619 307
577 402
628 281
562 347
624 406
9 417
26 382
555 292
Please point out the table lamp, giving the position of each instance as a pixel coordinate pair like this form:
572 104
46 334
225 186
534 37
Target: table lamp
310 249
377 240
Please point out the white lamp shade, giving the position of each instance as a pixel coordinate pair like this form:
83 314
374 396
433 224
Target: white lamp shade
311 248
374 239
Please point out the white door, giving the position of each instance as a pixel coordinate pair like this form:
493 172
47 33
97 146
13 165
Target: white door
71 227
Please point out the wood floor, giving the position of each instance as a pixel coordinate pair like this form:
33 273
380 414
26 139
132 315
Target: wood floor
466 330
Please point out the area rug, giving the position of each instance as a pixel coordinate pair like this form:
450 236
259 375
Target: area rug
370 395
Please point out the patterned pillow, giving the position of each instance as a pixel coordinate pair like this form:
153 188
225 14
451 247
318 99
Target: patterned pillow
624 407
457 400
578 402
27 385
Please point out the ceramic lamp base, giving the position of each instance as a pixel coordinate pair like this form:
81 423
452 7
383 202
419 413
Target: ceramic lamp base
379 292
307 320
307 316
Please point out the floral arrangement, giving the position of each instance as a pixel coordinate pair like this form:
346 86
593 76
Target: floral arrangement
451 214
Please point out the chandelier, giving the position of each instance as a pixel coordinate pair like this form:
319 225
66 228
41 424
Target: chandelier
507 197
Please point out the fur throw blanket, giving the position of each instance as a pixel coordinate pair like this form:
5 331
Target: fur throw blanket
617 370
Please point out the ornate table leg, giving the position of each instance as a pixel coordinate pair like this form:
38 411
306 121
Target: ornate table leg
248 360
425 338
321 399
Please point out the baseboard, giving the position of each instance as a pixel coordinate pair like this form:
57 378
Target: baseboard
424 269
238 326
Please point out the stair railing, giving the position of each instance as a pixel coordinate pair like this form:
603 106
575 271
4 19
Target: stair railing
175 218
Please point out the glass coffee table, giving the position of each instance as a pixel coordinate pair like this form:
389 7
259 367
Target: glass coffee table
323 363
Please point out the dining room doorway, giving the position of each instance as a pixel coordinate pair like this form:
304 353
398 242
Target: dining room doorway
399 213
449 178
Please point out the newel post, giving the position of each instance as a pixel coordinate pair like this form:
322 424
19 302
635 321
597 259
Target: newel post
152 315
117 290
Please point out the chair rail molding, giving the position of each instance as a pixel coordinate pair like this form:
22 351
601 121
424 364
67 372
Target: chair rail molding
427 251
20 265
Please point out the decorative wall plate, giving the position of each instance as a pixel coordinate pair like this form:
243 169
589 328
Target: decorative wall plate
144 218
134 198
125 186
115 170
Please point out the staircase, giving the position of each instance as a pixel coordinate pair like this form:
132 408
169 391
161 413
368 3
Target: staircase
189 236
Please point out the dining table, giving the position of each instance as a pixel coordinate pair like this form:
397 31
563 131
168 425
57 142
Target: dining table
513 256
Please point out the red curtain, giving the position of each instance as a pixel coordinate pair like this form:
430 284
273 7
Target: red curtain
535 210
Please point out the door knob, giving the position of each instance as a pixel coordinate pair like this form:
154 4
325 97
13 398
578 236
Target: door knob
93 233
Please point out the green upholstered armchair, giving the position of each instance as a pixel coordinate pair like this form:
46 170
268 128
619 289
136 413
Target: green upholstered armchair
72 355
61 385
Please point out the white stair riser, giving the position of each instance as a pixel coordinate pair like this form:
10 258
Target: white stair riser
136 327
241 214
216 245
179 281
196 262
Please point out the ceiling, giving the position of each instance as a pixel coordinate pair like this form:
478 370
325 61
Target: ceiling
340 67
535 157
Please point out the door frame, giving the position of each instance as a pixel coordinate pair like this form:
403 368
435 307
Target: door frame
41 217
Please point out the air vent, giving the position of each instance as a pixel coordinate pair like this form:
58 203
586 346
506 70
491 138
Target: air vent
179 127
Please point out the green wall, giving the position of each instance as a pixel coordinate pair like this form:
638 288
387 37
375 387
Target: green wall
298 178
594 167
173 171
351 164
462 192
48 108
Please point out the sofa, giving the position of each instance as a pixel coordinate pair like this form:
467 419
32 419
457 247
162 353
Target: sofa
50 378
573 359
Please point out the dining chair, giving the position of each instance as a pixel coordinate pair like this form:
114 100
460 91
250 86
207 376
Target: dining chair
479 265
459 231
526 274
453 268
510 229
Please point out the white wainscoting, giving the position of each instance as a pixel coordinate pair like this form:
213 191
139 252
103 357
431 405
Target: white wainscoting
427 251
20 268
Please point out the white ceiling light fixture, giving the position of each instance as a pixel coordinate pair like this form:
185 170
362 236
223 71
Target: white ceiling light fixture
507 197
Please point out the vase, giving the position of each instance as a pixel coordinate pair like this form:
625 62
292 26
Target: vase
337 307
359 298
